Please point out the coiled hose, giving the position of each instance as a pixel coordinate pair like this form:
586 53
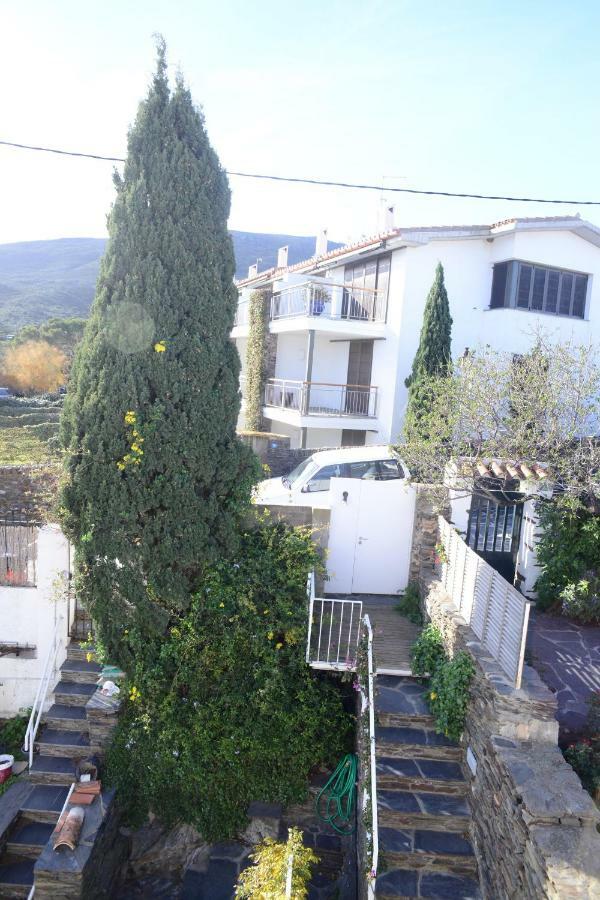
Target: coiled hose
335 801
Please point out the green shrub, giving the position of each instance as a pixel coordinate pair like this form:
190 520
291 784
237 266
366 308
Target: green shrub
584 757
428 651
12 734
448 694
581 600
568 548
224 709
409 604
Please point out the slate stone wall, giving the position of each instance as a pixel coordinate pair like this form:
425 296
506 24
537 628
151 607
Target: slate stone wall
29 489
534 827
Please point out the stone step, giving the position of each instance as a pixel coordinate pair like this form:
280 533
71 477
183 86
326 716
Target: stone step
67 718
401 701
76 651
16 876
424 775
80 671
44 803
415 743
29 838
422 811
404 884
422 849
55 742
70 693
53 770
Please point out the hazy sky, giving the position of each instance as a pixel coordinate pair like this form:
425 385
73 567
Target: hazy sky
491 97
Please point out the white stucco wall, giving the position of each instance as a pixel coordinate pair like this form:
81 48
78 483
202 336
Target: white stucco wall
33 616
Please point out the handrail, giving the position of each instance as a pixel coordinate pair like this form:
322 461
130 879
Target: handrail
40 697
310 590
371 701
288 877
325 283
364 387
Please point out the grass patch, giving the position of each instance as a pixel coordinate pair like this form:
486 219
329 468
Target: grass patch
20 446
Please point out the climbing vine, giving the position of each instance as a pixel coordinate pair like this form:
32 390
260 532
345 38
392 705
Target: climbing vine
267 877
255 358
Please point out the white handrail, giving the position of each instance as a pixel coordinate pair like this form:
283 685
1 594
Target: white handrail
288 878
371 701
310 590
42 691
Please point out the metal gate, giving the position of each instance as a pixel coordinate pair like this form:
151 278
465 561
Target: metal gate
493 532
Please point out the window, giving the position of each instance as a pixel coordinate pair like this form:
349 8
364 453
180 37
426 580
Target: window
367 470
361 281
389 469
18 551
320 480
523 285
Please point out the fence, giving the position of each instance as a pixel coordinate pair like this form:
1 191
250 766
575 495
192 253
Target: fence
328 300
18 549
495 610
316 398
333 631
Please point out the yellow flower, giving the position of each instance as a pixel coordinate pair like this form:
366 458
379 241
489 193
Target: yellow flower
221 605
270 635
134 695
130 418
432 695
160 346
89 656
265 612
278 646
120 466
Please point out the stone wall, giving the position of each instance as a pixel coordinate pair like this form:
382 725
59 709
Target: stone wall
425 531
29 489
534 826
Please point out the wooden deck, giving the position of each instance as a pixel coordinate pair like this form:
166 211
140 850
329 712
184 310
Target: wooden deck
393 635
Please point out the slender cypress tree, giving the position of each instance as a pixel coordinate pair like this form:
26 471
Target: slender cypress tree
433 357
156 478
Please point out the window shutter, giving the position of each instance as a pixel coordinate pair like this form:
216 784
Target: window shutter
499 278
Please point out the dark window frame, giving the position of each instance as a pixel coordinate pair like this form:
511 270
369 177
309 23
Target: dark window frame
533 287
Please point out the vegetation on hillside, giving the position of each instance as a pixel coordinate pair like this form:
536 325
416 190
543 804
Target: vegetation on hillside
29 430
33 367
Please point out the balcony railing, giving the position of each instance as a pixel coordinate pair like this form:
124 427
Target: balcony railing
316 398
241 313
328 301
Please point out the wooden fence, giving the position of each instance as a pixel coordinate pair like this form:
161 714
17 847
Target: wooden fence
495 610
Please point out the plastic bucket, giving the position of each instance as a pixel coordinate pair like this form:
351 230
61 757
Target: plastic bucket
6 764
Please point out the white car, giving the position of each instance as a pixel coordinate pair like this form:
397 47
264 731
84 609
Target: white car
308 483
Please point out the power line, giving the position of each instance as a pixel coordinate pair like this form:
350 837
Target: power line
324 183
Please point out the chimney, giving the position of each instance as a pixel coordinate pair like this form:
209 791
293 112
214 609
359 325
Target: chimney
282 257
253 270
386 216
321 247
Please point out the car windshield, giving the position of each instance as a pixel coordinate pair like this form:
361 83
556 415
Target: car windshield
296 473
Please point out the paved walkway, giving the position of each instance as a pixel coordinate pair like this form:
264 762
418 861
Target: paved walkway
567 657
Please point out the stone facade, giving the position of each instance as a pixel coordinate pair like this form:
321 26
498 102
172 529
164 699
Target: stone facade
425 531
29 489
534 826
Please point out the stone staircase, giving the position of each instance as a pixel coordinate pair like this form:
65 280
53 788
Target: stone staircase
61 742
424 816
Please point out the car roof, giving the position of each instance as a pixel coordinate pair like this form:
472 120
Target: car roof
352 454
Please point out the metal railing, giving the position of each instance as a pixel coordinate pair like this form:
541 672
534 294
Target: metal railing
319 398
495 610
241 313
369 700
328 300
42 691
333 631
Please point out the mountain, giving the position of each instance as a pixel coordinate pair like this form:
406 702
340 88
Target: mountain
40 279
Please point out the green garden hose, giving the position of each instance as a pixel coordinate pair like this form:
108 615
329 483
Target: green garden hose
335 802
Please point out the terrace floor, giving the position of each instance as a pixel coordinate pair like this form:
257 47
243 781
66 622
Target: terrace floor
393 635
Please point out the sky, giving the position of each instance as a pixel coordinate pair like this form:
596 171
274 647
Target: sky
483 97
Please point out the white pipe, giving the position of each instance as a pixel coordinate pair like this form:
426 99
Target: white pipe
288 880
375 858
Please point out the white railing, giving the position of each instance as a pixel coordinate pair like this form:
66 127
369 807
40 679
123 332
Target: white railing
333 631
328 300
369 699
241 313
42 691
288 877
495 610
319 398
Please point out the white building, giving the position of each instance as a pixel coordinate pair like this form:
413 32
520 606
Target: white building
347 323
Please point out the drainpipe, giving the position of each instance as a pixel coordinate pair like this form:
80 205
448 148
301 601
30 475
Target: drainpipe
305 406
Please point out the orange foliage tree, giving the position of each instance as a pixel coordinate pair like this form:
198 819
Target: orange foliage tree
35 367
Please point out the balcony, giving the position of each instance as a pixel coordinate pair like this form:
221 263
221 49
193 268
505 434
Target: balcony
315 398
241 314
326 300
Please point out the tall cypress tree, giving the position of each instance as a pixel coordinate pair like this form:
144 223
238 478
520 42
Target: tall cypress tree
434 356
156 478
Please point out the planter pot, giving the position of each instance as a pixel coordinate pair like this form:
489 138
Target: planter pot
6 764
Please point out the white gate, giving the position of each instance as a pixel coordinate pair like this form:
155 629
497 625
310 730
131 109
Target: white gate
370 536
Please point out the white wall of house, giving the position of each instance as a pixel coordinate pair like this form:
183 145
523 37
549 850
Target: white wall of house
33 615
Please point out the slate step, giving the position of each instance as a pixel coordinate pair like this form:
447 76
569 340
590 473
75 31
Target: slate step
401 701
68 693
55 742
419 849
437 776
415 743
44 803
16 876
412 809
76 651
400 884
52 770
29 838
66 718
80 671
